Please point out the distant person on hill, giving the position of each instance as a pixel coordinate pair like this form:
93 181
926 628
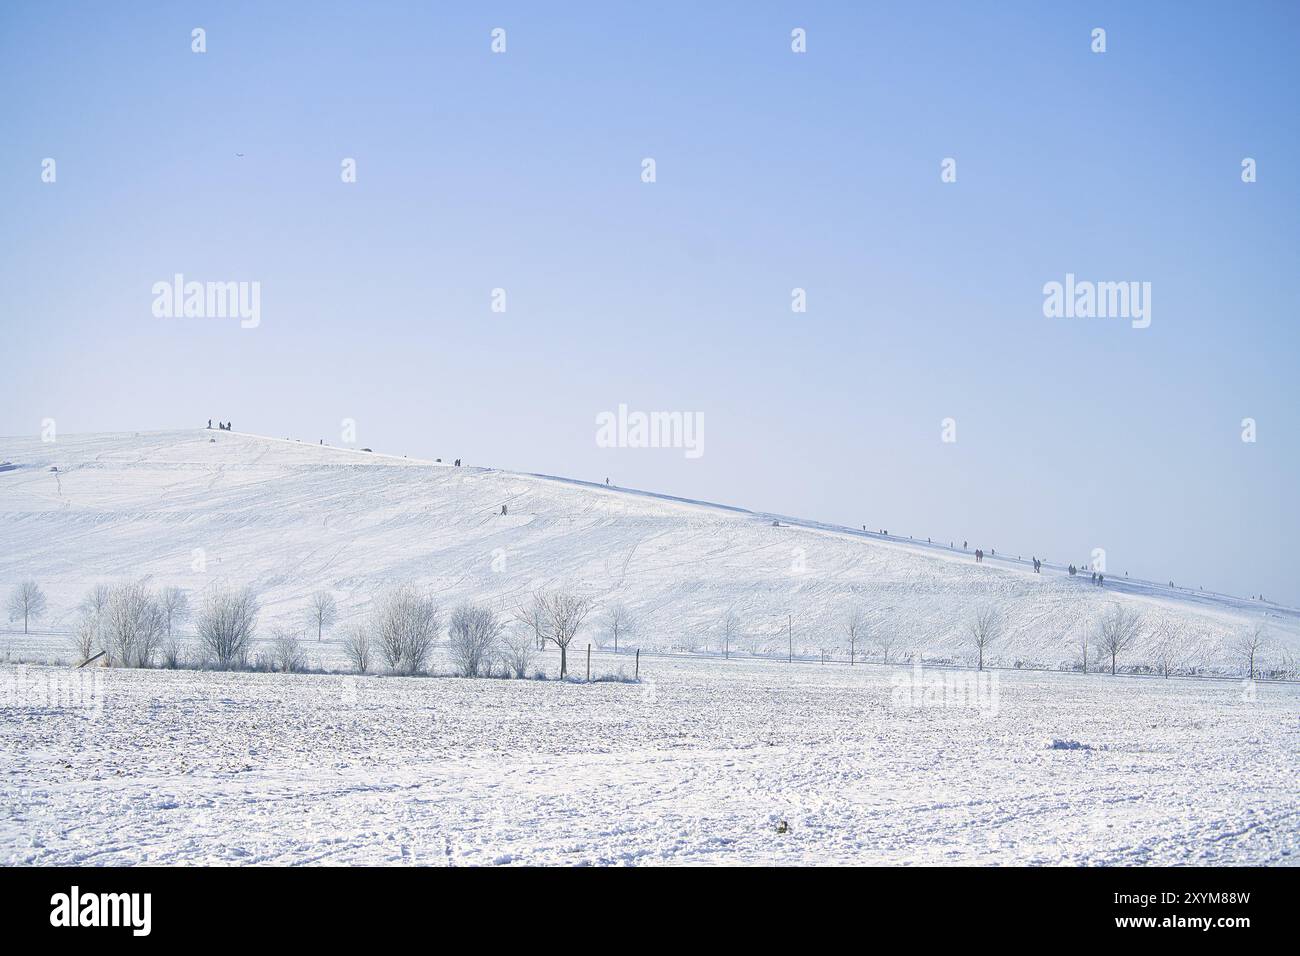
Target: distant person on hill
503 509
209 423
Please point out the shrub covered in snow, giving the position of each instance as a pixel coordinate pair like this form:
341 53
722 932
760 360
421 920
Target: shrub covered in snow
132 626
405 627
226 625
474 633
357 648
286 652
518 646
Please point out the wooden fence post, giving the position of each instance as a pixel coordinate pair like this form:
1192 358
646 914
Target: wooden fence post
91 659
638 663
588 663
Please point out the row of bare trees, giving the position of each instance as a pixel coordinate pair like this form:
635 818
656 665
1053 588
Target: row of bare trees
1116 632
134 626
405 623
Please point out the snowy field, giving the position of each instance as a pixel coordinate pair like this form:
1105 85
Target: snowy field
699 763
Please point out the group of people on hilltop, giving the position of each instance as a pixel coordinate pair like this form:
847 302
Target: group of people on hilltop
221 426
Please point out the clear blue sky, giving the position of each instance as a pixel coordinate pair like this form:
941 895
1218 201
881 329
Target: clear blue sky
775 170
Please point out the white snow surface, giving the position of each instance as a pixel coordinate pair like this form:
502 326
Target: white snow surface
700 763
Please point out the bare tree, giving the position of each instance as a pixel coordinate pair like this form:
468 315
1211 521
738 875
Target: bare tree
286 651
618 621
1165 649
132 625
517 650
1117 631
984 630
473 633
885 639
86 636
356 645
565 613
1250 645
175 604
27 601
730 630
855 628
172 657
324 612
96 600
226 625
406 625
532 615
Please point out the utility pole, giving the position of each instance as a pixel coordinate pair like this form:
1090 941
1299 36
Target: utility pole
789 635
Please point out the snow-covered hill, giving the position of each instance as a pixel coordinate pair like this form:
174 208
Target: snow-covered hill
288 518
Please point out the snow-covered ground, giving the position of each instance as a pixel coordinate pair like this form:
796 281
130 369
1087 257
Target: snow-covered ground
699 763
745 760
189 508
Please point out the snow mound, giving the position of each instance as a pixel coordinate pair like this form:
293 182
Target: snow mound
191 508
